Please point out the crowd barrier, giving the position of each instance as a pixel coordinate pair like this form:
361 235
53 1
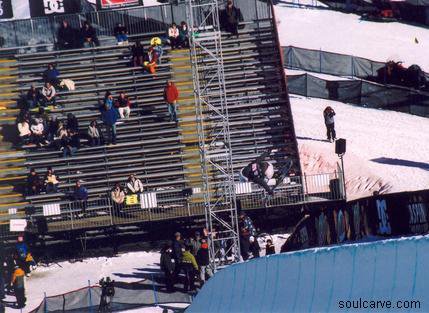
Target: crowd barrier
128 296
65 215
363 93
331 63
42 31
390 215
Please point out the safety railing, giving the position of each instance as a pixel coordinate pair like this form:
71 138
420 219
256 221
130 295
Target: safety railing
40 33
174 203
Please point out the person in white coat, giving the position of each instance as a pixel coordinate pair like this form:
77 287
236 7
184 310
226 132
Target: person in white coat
173 35
134 185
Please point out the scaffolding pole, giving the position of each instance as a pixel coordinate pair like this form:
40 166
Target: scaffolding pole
212 120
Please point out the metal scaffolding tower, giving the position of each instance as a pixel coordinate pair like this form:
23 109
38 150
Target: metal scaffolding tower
213 130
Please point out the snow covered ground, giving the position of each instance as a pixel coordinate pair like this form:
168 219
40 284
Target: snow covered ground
346 33
386 150
128 267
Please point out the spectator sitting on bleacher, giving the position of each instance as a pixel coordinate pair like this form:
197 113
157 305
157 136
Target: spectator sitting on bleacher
50 75
118 196
109 115
88 35
94 134
173 36
80 195
156 44
152 61
171 94
38 132
137 52
121 34
66 36
33 183
183 35
124 105
72 122
51 128
24 131
51 181
108 100
71 143
48 93
59 135
134 185
230 17
33 97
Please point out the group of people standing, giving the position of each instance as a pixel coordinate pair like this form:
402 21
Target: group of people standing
14 267
188 257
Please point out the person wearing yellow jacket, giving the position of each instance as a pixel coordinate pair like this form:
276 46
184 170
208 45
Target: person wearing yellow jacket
18 286
190 268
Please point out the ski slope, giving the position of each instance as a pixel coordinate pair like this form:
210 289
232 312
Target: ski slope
316 280
346 33
386 150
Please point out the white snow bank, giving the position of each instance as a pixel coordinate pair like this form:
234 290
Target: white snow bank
316 280
386 150
66 276
346 33
318 75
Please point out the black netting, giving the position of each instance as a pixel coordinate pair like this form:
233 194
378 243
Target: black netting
127 296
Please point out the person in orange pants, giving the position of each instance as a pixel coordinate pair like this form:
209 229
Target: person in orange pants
152 64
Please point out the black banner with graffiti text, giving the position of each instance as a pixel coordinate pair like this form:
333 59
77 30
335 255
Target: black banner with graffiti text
379 216
6 9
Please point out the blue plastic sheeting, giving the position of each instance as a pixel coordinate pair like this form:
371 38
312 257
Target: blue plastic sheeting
316 280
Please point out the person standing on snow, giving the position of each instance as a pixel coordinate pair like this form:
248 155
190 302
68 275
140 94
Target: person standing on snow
167 266
328 115
18 286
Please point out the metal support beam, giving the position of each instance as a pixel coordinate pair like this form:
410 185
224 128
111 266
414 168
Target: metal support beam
212 119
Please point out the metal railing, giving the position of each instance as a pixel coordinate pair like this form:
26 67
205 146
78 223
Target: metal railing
174 204
41 32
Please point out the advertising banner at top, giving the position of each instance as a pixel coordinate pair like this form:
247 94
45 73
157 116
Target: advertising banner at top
53 7
110 4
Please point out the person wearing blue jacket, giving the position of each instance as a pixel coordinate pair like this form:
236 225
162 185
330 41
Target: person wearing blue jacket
110 116
51 75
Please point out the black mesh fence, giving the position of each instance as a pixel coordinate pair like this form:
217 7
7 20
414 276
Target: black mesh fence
361 93
145 293
331 63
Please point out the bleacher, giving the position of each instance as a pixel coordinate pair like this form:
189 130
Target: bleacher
163 154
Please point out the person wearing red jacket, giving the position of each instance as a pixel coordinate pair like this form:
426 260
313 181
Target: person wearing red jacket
171 94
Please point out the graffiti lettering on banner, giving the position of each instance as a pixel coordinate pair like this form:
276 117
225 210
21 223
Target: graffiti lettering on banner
6 9
418 221
383 218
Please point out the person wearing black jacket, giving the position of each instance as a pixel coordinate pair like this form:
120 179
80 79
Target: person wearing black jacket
177 253
34 183
66 36
254 246
230 17
137 52
167 266
72 122
88 35
33 97
203 261
71 143
269 248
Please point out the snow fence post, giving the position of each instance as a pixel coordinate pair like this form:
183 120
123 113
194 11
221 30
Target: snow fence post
154 290
320 60
90 295
45 304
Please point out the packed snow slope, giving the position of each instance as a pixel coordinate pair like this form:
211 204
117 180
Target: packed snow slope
346 33
316 280
387 151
